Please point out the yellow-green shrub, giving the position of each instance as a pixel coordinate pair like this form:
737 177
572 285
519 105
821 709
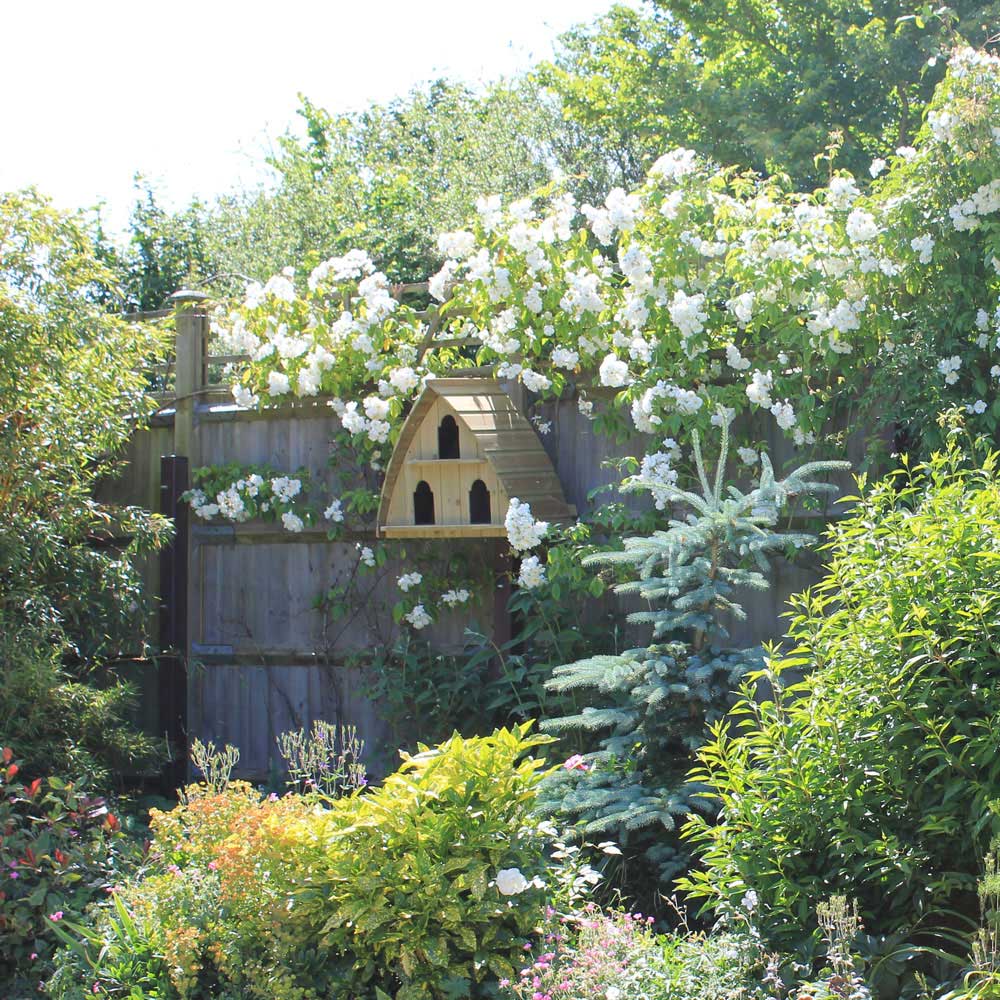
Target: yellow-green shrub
404 880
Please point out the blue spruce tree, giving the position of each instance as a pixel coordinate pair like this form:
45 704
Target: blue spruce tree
650 706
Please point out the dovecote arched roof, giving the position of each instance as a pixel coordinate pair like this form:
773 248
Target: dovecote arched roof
504 437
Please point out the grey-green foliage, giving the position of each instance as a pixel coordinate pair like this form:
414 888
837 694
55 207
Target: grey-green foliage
650 706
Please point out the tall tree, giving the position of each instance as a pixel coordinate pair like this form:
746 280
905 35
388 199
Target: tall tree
763 83
390 178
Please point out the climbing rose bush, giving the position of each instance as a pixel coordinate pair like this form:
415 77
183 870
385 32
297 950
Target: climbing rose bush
705 288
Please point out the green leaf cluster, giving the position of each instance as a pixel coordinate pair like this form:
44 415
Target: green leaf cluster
72 390
55 858
403 880
874 775
762 84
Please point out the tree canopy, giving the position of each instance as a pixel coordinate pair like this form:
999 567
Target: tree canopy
761 83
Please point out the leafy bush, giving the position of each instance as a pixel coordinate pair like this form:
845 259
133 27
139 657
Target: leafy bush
205 916
71 391
55 859
424 887
428 884
874 776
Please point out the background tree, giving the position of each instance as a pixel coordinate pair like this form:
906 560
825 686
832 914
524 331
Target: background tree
390 178
761 83
163 252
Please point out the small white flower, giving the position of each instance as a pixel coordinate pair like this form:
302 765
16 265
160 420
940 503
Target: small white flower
366 555
334 512
878 165
532 573
292 522
613 372
408 580
923 245
562 357
510 881
533 381
244 397
418 617
523 531
277 383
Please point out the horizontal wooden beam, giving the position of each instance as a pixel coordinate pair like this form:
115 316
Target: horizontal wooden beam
265 532
443 531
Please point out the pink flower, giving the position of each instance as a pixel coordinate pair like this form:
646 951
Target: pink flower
58 915
575 763
34 955
213 865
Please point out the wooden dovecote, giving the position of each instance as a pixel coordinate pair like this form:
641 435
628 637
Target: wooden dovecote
464 451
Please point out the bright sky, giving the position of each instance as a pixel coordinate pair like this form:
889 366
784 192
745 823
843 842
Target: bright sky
191 94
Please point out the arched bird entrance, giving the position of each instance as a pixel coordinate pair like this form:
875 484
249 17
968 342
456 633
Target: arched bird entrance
448 438
479 503
423 504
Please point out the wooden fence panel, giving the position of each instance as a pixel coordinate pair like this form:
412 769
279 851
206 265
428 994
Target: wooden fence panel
261 660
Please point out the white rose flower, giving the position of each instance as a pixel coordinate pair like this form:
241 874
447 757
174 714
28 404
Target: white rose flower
510 881
418 617
292 522
244 397
613 372
532 573
277 384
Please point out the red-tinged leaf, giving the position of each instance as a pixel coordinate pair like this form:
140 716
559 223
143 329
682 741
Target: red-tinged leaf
12 770
8 755
112 823
34 787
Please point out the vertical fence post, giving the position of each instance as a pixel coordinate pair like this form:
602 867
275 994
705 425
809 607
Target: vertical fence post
175 477
172 665
189 368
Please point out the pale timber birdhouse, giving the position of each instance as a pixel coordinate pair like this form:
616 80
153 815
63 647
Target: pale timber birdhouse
464 451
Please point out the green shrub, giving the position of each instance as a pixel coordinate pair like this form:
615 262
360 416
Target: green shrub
72 390
401 891
873 776
407 881
54 860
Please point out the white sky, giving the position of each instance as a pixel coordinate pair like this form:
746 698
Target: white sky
192 93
